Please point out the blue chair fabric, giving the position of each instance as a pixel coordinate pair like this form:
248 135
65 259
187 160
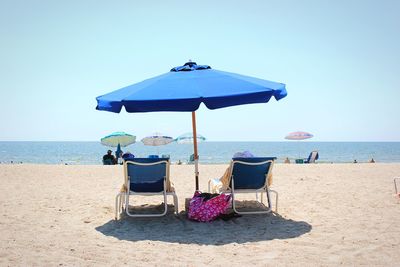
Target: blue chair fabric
250 176
146 178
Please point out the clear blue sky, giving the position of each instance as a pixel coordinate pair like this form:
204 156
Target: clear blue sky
340 61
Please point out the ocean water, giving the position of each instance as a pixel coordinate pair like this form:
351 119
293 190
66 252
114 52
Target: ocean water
209 152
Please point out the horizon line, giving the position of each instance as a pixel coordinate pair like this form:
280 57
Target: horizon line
210 141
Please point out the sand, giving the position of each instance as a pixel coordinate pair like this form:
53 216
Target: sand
329 214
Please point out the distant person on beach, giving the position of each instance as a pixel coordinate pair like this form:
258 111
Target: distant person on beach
287 160
372 160
355 161
109 159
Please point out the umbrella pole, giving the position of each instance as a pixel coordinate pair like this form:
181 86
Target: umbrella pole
196 156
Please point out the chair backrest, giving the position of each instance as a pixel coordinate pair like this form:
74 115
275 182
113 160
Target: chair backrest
313 157
146 174
250 173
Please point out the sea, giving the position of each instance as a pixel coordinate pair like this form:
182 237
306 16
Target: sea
91 153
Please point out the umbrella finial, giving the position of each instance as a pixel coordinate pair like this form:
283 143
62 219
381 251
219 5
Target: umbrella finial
190 63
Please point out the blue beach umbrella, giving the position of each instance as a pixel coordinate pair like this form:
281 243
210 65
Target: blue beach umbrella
185 87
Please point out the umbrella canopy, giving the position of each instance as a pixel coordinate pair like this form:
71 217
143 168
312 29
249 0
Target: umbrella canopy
187 138
157 139
298 136
118 138
185 87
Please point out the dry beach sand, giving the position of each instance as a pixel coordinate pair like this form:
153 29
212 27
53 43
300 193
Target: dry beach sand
329 214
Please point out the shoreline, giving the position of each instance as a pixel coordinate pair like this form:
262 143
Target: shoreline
200 163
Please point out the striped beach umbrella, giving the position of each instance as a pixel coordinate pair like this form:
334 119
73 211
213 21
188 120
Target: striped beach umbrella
298 136
187 138
157 139
116 139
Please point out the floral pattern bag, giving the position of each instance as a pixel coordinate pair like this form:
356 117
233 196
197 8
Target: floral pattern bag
205 207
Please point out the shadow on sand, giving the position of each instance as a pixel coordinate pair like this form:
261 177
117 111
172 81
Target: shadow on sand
178 229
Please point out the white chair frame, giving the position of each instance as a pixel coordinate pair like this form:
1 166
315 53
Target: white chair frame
264 189
123 197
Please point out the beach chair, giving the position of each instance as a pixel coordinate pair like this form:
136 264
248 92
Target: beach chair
312 157
250 175
146 177
191 159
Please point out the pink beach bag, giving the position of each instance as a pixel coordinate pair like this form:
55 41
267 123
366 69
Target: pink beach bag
205 210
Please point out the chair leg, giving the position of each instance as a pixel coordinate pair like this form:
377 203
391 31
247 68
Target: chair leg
121 202
268 199
249 212
146 215
118 203
276 199
176 207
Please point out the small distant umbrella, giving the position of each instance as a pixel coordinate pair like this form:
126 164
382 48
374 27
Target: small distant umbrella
187 138
120 139
157 139
298 136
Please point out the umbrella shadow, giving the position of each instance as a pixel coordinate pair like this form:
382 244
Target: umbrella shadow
178 229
